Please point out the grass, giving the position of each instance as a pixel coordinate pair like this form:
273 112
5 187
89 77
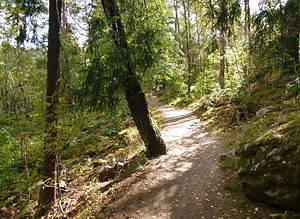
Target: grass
232 184
84 137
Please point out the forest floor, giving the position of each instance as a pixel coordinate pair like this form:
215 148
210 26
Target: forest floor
187 183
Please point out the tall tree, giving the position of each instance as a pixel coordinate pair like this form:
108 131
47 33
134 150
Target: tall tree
47 192
247 20
177 23
188 52
247 28
222 45
225 15
134 94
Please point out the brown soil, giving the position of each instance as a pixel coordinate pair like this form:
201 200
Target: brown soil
187 183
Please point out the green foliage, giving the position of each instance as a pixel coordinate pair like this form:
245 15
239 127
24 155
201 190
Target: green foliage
87 133
82 134
273 38
227 12
23 15
232 184
22 79
148 51
20 160
228 163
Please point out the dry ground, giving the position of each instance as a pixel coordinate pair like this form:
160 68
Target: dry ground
187 183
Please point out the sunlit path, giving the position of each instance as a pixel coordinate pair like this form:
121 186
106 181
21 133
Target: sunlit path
187 183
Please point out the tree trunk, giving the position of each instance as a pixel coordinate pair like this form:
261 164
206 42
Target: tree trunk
47 192
177 25
134 94
248 42
66 76
222 60
186 13
247 21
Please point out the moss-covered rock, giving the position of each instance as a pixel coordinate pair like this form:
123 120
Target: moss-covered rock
269 164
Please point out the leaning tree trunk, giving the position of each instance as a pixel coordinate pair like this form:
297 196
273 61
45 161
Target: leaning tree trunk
47 192
134 94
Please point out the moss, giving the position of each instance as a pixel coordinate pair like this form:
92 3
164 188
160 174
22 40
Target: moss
232 184
264 183
227 163
269 163
134 165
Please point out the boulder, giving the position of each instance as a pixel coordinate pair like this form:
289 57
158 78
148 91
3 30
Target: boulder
262 112
109 172
269 165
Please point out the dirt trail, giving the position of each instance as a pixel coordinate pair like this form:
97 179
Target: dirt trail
187 183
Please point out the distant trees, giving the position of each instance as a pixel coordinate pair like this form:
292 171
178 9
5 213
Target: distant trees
291 23
18 69
276 39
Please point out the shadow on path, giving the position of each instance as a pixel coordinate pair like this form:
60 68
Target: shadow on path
187 183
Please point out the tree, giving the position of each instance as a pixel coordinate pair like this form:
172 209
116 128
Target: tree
276 37
188 52
247 20
222 45
134 94
225 12
47 192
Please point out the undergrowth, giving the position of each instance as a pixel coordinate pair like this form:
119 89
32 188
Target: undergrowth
86 140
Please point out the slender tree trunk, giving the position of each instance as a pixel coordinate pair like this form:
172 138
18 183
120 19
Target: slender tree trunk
47 192
247 21
248 42
186 13
222 60
177 24
65 66
134 94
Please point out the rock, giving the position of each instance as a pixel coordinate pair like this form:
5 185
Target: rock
278 216
285 215
293 83
62 186
269 165
224 157
109 172
262 112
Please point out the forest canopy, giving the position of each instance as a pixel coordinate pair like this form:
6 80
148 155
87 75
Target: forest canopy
76 75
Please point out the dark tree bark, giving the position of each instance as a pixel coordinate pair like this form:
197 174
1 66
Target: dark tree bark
47 192
222 60
134 94
223 27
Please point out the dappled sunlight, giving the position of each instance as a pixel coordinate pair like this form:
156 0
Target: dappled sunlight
185 183
185 137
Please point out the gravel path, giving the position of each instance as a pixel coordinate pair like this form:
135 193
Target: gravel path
187 183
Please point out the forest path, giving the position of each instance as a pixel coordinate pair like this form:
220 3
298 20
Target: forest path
187 183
